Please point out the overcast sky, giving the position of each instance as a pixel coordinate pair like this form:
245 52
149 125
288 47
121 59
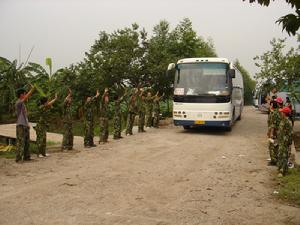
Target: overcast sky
65 29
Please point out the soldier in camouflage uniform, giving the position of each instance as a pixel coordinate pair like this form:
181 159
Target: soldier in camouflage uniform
67 143
41 128
149 108
132 110
22 129
104 117
285 138
156 110
142 111
273 123
89 121
117 116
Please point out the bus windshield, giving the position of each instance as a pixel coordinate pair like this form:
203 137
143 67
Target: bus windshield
201 79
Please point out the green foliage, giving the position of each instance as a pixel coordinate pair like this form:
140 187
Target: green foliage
277 67
249 83
290 187
290 22
120 60
12 76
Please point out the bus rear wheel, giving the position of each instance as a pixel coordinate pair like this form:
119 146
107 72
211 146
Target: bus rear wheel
186 127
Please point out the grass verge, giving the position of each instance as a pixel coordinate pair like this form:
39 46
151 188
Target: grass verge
290 187
12 153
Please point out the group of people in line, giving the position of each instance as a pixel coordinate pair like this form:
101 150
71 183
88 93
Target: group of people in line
280 133
139 101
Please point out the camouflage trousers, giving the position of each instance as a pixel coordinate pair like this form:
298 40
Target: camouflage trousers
130 121
88 133
68 137
156 119
103 129
117 127
141 122
41 139
149 119
273 150
22 148
283 157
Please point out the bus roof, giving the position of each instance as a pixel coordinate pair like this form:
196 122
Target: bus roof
197 60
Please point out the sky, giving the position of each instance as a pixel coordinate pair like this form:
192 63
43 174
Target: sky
65 29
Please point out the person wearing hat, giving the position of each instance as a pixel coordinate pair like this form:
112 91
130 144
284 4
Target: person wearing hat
103 137
22 125
289 104
273 124
285 138
89 120
44 105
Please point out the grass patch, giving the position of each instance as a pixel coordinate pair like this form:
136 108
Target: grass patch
78 127
290 187
32 148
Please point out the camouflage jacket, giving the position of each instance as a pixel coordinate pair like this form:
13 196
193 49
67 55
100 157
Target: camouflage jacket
67 112
43 115
141 104
104 109
149 103
285 132
89 110
274 119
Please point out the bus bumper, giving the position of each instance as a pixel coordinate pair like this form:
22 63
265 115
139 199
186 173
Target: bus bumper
193 123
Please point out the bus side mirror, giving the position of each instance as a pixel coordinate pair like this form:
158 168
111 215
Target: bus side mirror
231 73
171 66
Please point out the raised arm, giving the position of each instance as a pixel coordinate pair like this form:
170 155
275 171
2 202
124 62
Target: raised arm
161 96
50 103
29 93
97 95
69 96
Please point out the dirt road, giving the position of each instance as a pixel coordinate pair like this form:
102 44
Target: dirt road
166 176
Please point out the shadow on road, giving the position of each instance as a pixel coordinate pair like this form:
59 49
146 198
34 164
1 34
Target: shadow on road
207 130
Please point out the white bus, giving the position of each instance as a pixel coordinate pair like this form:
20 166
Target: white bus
207 92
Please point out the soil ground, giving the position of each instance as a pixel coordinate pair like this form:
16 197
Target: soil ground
166 176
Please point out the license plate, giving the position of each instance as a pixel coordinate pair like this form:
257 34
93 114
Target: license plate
199 122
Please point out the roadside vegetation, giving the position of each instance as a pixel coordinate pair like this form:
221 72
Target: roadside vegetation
120 60
289 189
8 152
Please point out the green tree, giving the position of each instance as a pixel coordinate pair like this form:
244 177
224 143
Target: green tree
279 68
186 43
12 77
290 22
249 83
